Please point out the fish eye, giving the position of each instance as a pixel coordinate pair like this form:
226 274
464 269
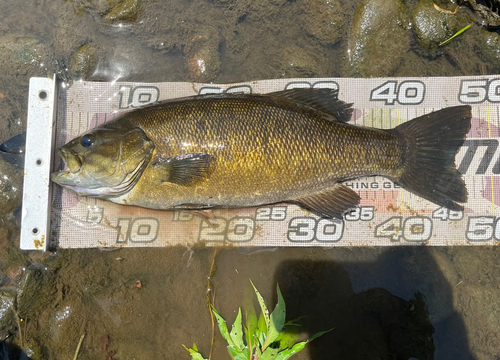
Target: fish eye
87 140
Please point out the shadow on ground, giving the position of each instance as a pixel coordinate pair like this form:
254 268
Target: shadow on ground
381 309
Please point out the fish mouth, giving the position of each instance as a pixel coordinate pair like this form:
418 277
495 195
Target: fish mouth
72 165
72 162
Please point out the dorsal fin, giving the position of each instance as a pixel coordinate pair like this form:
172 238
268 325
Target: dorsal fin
322 99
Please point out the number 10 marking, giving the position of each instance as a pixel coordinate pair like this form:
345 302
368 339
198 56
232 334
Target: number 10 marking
138 230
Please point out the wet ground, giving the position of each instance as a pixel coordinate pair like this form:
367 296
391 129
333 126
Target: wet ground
388 303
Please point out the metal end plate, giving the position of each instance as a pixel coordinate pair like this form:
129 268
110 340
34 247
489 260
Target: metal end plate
35 225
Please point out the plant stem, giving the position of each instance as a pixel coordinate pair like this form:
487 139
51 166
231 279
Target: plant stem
78 347
210 300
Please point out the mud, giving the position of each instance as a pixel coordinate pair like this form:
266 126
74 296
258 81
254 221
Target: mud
420 302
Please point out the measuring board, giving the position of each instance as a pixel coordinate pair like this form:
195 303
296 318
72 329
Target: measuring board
386 216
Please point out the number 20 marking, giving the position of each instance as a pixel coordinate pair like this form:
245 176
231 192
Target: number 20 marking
237 229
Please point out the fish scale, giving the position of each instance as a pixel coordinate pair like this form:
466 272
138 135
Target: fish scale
238 150
265 147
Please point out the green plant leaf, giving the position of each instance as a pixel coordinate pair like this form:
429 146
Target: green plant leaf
251 325
455 35
222 327
195 355
262 338
251 319
237 332
286 354
269 354
288 336
238 354
258 352
262 304
250 334
318 334
277 318
261 324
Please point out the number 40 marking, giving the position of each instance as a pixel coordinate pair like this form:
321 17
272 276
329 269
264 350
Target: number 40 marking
407 93
412 229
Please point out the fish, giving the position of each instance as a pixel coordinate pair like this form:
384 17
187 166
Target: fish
243 150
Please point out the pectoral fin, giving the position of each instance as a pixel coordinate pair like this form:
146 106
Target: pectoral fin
186 170
333 202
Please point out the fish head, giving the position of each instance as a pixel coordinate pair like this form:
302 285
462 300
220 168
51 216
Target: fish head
104 162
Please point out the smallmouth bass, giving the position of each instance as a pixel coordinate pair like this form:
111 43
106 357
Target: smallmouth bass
240 150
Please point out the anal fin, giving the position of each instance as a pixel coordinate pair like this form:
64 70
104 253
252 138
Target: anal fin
332 203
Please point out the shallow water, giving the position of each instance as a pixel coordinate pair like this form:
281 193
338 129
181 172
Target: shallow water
387 303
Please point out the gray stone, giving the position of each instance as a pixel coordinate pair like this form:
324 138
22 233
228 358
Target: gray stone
431 25
125 10
202 56
83 62
379 37
489 42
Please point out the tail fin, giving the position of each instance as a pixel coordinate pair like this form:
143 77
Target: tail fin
432 142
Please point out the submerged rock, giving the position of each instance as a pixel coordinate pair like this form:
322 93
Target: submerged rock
125 10
10 188
298 62
379 37
22 56
8 322
37 291
202 57
488 11
84 62
59 322
489 43
447 5
433 25
323 20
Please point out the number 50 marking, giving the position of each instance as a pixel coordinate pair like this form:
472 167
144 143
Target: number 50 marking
478 91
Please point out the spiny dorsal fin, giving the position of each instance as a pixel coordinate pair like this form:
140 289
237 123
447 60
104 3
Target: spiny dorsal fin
323 99
333 202
186 170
